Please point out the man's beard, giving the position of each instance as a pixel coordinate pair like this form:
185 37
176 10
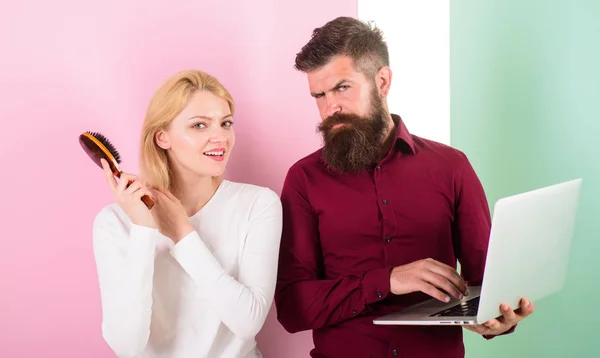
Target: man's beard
357 145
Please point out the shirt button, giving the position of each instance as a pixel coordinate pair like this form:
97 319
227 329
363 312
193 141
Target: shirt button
379 294
378 169
388 239
384 202
394 352
354 312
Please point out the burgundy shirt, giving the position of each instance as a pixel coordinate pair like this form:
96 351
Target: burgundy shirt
342 233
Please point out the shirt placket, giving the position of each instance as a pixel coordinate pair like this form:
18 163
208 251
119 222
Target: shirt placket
384 201
384 187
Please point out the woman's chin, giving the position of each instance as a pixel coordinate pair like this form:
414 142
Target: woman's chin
210 168
211 172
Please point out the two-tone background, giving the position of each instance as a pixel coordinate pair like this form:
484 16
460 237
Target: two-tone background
514 84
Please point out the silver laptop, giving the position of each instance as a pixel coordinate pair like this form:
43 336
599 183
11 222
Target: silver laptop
528 254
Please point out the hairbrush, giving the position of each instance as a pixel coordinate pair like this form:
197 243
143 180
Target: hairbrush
99 147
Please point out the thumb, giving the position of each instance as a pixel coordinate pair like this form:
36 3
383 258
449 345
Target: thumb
168 194
156 195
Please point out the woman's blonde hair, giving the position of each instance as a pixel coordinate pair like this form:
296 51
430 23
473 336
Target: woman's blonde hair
166 103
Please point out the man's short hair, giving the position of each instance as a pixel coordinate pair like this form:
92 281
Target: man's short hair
363 42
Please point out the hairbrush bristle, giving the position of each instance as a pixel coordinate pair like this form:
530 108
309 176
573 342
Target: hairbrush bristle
111 148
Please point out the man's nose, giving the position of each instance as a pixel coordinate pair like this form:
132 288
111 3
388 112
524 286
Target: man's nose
332 107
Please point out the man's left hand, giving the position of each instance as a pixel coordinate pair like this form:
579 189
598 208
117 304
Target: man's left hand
505 322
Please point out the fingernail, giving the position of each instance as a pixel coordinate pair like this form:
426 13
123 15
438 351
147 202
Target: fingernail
505 307
467 292
460 297
446 299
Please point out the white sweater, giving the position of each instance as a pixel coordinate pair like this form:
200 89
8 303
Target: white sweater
206 296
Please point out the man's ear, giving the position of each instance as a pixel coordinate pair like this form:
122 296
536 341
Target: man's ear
162 139
383 80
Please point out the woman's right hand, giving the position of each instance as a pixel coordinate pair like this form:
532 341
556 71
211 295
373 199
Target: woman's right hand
129 197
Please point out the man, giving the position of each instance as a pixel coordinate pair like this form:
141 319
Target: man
377 218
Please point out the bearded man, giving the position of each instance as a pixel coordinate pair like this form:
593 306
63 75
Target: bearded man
377 218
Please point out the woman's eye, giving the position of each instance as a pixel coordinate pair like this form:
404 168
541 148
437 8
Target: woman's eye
227 124
199 125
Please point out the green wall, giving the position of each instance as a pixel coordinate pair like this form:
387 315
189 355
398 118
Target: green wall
525 107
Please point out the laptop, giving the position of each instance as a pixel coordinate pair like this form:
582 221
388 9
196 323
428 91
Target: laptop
528 252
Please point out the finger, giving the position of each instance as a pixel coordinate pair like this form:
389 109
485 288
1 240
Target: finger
110 179
443 283
124 181
444 266
134 187
508 315
432 291
493 325
141 192
526 308
127 178
169 195
158 195
449 273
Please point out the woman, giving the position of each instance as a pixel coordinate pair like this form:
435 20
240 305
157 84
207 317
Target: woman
195 275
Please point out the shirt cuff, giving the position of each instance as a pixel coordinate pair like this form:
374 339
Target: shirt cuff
376 285
196 259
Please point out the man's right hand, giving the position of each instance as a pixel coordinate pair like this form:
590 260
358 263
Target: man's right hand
428 276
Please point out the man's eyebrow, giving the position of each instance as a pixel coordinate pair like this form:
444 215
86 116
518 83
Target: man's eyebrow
340 82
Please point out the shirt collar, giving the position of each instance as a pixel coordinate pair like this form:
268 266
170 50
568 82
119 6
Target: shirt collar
404 139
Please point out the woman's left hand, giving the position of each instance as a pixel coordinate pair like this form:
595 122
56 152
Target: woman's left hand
170 215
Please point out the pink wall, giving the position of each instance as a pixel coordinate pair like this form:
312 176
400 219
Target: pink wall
69 66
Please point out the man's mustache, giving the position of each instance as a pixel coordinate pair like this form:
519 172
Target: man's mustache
338 118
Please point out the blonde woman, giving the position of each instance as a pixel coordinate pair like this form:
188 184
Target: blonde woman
195 275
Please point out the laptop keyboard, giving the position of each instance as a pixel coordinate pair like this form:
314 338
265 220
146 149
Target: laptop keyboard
463 309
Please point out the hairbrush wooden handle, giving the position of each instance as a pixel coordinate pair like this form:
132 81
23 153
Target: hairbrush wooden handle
149 202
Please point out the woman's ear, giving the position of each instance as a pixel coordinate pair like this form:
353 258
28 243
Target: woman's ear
162 139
